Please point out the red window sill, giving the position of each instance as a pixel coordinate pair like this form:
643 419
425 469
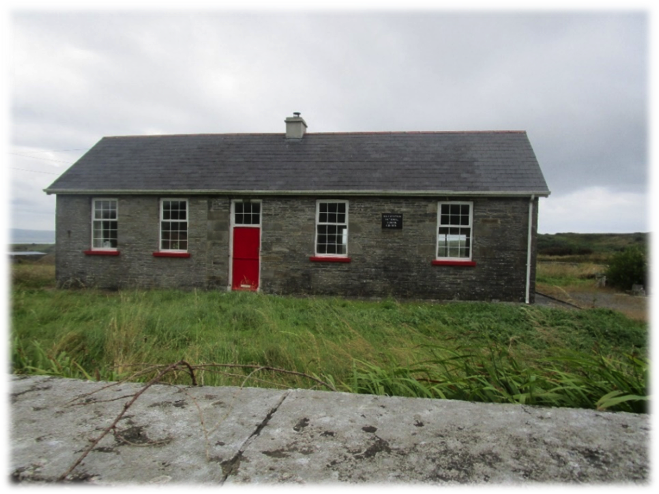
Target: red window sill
171 254
329 259
101 252
453 263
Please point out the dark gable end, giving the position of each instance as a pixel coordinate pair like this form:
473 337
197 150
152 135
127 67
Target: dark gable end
379 163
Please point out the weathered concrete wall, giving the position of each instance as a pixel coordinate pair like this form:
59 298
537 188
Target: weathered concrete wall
225 435
383 263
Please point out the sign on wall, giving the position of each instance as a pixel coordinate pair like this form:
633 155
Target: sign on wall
392 221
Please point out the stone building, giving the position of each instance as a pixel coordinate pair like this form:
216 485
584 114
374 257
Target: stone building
436 215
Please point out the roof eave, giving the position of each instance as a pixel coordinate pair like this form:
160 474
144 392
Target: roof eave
537 193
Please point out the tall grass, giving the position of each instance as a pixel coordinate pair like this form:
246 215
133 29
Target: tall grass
573 379
568 273
472 351
33 275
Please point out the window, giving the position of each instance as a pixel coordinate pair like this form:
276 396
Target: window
104 224
247 213
454 239
174 225
332 228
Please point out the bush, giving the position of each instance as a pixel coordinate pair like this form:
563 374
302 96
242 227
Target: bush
627 268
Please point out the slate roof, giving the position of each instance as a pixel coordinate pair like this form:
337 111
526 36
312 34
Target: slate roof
369 163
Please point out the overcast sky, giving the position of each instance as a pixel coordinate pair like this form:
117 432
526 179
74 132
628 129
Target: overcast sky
577 82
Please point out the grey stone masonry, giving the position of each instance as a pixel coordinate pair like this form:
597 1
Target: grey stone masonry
383 262
138 237
397 263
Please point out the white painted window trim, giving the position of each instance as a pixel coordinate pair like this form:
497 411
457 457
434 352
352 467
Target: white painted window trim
470 227
233 213
94 201
346 235
161 219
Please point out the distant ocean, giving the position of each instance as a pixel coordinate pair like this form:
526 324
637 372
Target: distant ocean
20 236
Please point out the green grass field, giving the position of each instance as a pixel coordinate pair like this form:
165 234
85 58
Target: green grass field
473 351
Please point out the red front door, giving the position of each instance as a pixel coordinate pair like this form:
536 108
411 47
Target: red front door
245 269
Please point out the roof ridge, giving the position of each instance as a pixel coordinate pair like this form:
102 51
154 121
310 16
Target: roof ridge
384 132
423 132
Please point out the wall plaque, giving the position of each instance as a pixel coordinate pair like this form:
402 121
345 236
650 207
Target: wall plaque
392 221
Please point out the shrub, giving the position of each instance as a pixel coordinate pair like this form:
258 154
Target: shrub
627 268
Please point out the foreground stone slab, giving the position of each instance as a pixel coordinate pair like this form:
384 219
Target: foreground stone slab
208 435
355 438
170 434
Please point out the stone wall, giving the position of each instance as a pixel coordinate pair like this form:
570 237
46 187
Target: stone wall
384 263
138 236
397 263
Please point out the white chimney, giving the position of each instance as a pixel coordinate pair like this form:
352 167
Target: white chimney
295 126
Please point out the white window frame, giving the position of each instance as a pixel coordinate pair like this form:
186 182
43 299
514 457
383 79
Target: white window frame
469 227
95 220
234 202
162 220
318 223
